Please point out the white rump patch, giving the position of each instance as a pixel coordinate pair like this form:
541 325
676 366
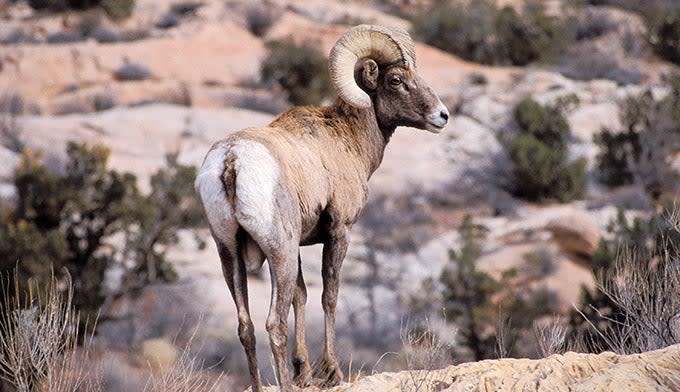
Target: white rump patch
210 189
256 181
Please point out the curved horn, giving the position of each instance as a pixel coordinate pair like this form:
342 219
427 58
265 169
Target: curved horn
382 44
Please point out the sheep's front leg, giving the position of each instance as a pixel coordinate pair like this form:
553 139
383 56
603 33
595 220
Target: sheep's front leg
333 254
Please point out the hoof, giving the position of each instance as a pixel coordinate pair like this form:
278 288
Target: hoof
303 375
331 374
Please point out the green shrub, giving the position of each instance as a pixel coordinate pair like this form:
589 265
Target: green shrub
535 165
664 35
483 307
301 70
261 16
62 222
515 37
614 159
539 155
478 31
464 31
640 151
170 205
523 40
118 9
115 9
572 181
546 124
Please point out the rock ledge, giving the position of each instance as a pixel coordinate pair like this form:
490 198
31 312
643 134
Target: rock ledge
651 371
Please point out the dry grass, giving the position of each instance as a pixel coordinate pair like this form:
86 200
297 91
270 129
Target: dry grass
183 374
551 336
39 349
422 352
644 287
43 349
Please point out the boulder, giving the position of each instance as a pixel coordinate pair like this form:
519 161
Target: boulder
588 120
576 232
487 111
472 140
159 353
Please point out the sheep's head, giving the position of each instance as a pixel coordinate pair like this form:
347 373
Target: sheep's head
376 66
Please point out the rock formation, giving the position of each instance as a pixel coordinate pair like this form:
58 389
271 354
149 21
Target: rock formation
651 371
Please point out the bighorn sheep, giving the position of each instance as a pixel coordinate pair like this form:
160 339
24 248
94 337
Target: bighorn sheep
303 180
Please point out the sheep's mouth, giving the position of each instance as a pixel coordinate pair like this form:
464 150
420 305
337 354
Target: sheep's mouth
434 128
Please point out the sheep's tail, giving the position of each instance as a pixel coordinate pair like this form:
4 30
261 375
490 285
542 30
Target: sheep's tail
234 200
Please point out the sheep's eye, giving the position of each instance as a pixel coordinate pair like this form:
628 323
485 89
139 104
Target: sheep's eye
395 81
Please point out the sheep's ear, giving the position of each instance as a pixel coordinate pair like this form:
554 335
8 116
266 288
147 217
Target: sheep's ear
370 74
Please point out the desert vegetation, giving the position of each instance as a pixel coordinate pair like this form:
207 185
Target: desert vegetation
113 8
299 69
261 16
539 156
64 223
44 349
494 315
662 21
632 310
640 151
481 32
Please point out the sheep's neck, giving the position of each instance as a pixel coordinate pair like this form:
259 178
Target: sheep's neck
366 137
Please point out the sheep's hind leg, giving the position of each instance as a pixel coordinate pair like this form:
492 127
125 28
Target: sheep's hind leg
283 273
303 371
333 255
234 272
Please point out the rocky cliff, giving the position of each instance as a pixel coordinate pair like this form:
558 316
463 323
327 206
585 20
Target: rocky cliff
651 371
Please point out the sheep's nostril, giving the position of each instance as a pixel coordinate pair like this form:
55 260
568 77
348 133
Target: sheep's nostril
444 114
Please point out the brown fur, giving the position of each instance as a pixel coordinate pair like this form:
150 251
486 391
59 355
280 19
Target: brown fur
325 157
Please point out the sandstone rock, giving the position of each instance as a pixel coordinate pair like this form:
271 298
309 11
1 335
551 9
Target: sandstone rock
487 111
587 120
472 140
333 12
8 192
260 100
574 372
655 370
140 137
8 162
222 52
539 81
576 232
